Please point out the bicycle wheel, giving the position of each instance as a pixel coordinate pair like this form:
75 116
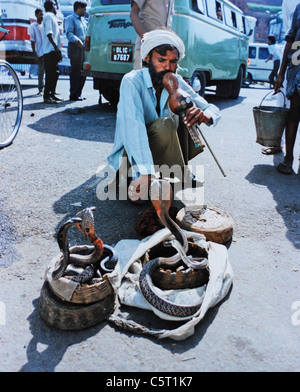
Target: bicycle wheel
11 104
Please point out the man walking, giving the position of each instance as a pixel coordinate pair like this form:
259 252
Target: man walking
52 52
76 28
36 39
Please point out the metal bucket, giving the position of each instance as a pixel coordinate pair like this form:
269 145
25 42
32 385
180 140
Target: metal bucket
270 122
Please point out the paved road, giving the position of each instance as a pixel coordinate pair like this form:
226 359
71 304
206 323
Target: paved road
50 172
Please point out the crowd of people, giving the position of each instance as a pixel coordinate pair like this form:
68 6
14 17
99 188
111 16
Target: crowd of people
149 134
45 37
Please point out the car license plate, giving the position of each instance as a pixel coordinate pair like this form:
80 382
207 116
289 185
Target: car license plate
122 53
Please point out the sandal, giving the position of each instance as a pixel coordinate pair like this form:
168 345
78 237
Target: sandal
271 150
285 167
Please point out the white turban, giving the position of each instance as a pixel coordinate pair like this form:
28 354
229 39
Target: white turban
161 37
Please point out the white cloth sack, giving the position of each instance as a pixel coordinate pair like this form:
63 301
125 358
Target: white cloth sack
125 280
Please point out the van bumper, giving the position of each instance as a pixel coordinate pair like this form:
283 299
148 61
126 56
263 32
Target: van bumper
102 75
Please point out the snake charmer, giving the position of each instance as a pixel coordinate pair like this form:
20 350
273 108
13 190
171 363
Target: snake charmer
148 134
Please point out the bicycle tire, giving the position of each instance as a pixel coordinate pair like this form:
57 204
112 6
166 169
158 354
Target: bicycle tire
11 104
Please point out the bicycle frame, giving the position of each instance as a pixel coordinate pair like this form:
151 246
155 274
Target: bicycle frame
3 29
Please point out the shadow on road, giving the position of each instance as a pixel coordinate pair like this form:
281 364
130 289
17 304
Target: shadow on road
48 345
92 123
114 219
285 190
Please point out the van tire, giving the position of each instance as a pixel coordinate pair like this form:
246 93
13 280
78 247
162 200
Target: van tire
236 84
248 80
109 91
202 78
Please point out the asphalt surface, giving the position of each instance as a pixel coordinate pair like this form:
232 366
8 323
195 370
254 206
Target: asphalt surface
49 173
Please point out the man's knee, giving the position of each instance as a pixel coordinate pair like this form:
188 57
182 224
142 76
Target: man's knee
162 129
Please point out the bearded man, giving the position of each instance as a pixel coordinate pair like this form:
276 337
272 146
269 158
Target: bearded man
147 133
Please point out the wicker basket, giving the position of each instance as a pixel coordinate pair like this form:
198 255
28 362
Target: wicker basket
183 277
215 224
84 293
87 294
67 316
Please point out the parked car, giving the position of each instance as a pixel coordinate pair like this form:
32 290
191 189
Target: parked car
216 49
258 69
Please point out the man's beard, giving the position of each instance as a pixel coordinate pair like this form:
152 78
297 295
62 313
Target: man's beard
157 77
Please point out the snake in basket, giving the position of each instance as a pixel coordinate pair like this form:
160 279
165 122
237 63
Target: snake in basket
161 197
103 258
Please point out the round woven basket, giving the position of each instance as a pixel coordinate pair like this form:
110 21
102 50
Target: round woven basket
183 277
216 225
85 293
68 316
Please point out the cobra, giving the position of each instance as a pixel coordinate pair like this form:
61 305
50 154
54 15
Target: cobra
84 221
161 196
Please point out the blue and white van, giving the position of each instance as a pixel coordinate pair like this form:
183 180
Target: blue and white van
216 48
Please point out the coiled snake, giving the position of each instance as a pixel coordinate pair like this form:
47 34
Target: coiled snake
103 258
161 197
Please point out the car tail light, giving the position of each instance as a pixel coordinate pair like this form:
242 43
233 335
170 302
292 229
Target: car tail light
87 43
87 66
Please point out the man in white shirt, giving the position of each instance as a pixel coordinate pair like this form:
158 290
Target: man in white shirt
36 39
275 54
51 50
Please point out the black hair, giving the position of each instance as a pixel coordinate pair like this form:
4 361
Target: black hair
37 11
272 38
79 4
48 5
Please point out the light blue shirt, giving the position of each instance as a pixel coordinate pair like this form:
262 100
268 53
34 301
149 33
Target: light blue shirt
136 109
76 28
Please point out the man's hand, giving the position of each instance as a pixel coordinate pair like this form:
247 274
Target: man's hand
195 114
138 189
79 43
279 83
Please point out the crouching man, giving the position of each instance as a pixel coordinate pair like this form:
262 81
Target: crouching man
148 134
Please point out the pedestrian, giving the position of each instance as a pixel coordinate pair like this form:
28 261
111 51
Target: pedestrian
291 66
76 28
288 9
52 52
36 39
147 132
147 15
275 53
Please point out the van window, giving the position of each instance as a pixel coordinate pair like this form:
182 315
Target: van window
230 17
252 52
109 2
219 11
263 53
212 8
240 23
198 6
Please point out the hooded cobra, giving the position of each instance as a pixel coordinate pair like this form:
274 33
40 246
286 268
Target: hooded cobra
104 254
161 197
